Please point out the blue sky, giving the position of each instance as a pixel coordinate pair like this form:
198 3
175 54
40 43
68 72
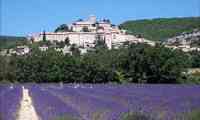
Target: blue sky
21 17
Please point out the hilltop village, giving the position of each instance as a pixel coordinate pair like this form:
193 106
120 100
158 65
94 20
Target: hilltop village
85 33
187 41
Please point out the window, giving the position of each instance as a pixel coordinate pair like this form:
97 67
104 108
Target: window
114 37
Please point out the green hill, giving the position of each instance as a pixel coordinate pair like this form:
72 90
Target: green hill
11 41
162 28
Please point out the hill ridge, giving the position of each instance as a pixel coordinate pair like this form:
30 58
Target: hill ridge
159 29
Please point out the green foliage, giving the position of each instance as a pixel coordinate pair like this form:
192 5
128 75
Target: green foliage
7 69
195 59
66 117
42 43
62 28
155 65
100 44
60 44
163 28
193 115
98 66
130 64
191 79
119 77
40 67
44 39
7 42
135 116
75 50
67 41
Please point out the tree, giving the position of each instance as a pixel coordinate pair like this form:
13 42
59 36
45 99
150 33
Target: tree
62 28
2 68
60 44
44 36
135 63
195 58
67 41
96 69
79 20
156 65
7 69
75 50
41 67
100 43
106 20
119 77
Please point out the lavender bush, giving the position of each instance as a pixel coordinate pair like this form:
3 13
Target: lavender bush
110 102
104 102
48 106
10 97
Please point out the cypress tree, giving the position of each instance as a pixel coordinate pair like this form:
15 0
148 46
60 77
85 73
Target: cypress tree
44 36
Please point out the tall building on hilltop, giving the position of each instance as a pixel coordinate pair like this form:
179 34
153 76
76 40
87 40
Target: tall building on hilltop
85 33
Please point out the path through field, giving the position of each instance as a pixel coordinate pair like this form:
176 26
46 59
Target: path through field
27 110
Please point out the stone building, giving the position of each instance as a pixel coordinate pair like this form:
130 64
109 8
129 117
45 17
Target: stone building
85 33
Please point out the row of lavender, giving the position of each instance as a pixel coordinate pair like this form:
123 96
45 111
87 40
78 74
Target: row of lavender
10 97
110 102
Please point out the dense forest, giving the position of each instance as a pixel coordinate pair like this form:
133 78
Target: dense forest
129 64
163 28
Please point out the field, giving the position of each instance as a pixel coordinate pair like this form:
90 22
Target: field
101 102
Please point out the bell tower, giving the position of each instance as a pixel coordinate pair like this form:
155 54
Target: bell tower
92 19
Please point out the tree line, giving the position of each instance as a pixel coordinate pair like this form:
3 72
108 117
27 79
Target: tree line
128 64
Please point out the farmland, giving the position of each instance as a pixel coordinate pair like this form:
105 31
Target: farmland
101 101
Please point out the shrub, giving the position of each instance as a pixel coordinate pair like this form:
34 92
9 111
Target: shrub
136 116
193 115
66 117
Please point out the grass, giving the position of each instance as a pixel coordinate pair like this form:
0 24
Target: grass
194 115
66 117
135 116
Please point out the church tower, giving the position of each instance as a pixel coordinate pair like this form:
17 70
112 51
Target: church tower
92 19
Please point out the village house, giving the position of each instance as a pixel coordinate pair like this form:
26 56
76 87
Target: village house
22 50
19 50
43 48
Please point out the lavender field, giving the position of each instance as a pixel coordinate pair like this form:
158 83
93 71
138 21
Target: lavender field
101 102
